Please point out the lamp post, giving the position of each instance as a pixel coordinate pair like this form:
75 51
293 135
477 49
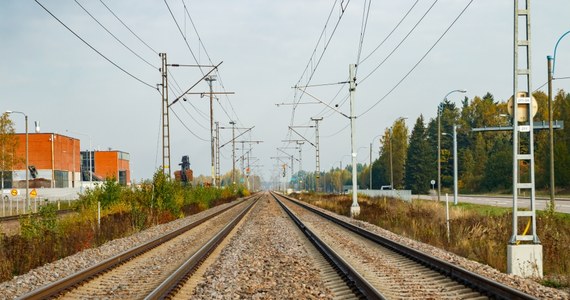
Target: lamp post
27 162
551 61
439 111
455 195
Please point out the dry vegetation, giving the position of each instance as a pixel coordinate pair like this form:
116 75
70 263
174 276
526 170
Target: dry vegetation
477 232
45 238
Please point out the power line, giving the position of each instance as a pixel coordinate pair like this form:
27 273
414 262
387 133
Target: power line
115 37
128 28
183 37
419 61
363 25
313 69
210 60
391 32
183 124
97 51
176 84
400 43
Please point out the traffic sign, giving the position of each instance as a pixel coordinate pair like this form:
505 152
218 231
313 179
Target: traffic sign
14 192
33 193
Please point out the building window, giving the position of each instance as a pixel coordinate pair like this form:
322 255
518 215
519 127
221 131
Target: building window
61 179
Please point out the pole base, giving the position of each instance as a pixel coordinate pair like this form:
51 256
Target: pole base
525 260
354 211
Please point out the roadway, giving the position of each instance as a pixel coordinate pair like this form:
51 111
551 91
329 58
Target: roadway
562 204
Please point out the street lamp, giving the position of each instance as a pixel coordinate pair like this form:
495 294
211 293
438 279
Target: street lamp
27 162
551 61
455 193
439 111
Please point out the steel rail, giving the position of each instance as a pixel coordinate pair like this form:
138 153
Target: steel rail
481 284
55 288
351 276
17 217
176 279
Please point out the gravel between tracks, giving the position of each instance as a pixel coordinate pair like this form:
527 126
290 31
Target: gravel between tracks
62 268
275 272
266 259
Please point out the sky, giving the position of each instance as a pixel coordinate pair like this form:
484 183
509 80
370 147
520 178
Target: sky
265 46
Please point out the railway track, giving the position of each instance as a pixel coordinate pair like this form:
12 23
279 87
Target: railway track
142 271
383 269
17 217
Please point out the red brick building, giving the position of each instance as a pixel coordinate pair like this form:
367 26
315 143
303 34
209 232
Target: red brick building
107 164
56 161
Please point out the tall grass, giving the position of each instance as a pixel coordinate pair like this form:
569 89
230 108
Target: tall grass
125 210
477 232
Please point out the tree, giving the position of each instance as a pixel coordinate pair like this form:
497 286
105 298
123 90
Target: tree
418 160
399 141
8 145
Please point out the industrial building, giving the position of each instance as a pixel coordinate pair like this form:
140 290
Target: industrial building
55 161
106 164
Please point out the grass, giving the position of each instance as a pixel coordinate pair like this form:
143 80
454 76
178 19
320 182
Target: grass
45 237
477 232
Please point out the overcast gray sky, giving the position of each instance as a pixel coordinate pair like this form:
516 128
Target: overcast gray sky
53 77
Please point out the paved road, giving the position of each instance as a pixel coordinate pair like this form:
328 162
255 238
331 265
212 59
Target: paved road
562 204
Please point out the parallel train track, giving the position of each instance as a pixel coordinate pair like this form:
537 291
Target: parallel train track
105 279
429 276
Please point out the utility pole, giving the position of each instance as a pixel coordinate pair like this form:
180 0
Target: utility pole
551 133
218 178
233 141
316 145
211 79
355 208
165 119
317 153
523 259
233 152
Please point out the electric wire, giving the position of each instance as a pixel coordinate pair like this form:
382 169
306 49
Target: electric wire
391 32
128 28
114 36
211 62
183 37
171 76
97 51
419 61
309 63
363 25
400 43
313 69
184 124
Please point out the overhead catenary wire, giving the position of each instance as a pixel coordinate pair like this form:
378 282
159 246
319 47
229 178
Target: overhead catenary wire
184 37
325 47
115 37
391 32
419 61
189 130
400 43
94 49
363 25
220 79
171 76
128 28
